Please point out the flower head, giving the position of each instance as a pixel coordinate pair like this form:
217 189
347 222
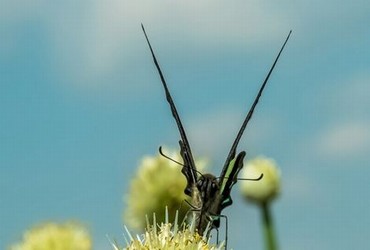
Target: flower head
168 236
268 187
159 183
52 236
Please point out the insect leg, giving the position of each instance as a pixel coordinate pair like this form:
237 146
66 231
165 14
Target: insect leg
226 228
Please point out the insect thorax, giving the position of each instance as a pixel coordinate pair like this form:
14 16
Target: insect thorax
207 200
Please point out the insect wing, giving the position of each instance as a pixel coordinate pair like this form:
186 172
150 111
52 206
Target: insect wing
230 178
232 167
189 169
231 154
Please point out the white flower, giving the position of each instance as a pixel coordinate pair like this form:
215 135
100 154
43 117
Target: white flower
169 237
158 183
52 236
268 187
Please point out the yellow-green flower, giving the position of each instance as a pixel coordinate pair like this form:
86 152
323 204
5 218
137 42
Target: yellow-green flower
52 236
158 183
268 187
169 237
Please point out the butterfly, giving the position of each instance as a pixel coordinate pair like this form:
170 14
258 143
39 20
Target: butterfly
210 194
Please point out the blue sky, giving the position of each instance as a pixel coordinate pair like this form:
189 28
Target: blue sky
81 103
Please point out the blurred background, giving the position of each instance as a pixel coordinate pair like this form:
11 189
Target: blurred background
81 103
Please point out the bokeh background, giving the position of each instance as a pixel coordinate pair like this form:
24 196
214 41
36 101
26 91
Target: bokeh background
81 103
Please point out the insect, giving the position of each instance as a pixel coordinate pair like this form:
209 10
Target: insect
210 194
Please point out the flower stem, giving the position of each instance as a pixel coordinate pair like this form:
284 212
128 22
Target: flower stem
268 228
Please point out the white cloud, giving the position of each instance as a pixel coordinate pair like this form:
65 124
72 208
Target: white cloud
345 121
345 140
351 97
106 37
214 133
95 40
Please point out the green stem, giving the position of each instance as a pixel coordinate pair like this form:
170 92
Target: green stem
268 228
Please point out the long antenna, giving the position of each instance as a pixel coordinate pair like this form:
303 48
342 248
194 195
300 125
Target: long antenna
231 154
169 158
173 160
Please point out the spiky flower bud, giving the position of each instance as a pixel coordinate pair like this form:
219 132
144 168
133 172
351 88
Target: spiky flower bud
169 236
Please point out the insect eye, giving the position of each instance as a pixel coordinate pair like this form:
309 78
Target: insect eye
200 182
